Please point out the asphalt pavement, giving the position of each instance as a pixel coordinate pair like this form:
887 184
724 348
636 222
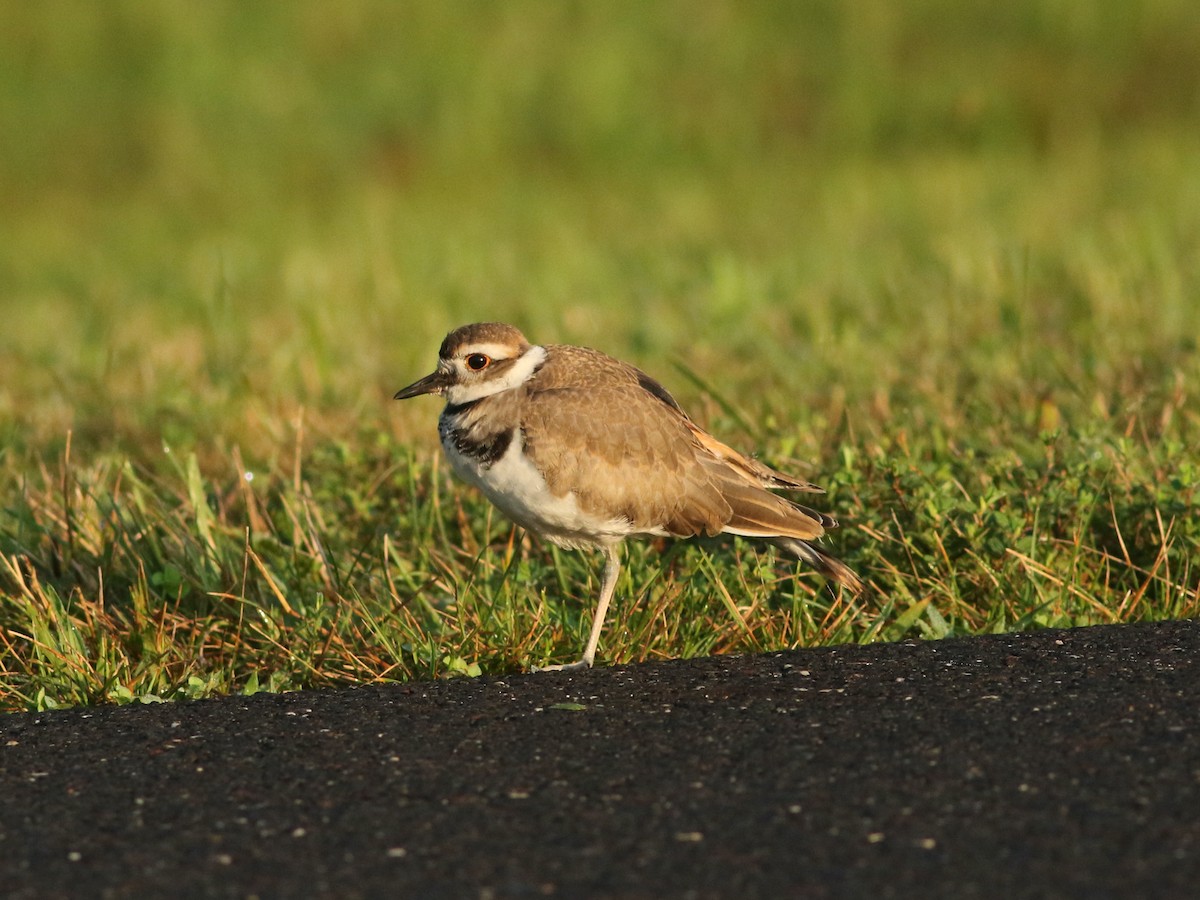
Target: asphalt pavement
1051 764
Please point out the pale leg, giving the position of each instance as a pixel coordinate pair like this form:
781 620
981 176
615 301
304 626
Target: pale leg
612 568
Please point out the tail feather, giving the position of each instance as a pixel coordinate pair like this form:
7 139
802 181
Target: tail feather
745 485
829 566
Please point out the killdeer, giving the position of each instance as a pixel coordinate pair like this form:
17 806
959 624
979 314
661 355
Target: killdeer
586 451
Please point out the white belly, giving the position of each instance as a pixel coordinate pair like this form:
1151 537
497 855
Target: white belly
519 491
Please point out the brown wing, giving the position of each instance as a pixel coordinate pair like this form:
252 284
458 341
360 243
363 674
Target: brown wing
622 446
623 458
762 474
756 512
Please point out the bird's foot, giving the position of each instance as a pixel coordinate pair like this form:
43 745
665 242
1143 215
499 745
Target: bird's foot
579 666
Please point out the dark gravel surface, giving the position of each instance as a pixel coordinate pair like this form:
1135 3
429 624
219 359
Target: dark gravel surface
1056 764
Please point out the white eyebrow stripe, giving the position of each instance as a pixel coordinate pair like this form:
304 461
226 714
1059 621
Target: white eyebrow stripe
518 373
495 351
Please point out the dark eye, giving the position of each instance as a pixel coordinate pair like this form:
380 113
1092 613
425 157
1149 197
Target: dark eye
477 361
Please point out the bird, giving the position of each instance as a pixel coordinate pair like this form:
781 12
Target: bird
586 451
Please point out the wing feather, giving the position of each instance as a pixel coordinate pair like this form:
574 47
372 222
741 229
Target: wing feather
616 438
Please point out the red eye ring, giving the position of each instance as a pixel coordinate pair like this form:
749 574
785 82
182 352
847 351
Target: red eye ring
477 362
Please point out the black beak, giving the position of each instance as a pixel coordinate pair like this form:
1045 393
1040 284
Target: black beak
433 383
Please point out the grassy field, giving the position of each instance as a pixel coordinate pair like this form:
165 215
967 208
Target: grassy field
942 258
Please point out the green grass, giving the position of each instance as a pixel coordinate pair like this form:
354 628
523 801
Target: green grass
939 257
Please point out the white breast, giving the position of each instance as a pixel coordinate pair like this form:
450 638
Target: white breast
518 489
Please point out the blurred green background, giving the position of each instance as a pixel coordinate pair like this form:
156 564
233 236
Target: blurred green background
215 213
